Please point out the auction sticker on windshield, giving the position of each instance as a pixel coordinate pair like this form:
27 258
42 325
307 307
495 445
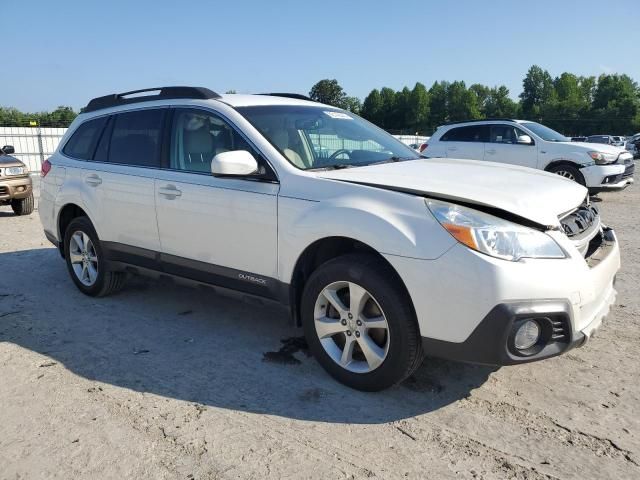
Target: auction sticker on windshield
340 115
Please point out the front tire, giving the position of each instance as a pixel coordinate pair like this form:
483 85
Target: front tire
359 323
570 172
86 262
23 206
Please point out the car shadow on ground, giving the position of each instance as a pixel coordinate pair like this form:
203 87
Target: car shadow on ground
197 345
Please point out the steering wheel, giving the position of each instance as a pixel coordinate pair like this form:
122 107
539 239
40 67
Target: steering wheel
335 154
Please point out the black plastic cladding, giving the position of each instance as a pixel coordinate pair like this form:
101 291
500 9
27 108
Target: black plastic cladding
117 99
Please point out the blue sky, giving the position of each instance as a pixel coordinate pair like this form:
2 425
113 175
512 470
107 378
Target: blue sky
66 52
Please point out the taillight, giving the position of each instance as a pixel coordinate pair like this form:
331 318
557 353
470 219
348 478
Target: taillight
423 147
46 168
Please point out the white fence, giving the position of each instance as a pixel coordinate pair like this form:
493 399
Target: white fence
33 144
412 139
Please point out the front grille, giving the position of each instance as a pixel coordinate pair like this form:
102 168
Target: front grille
4 190
628 171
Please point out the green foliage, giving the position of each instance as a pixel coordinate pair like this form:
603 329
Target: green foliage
353 104
571 104
537 89
60 117
329 92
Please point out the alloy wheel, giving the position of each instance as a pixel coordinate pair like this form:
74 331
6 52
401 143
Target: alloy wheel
565 174
351 327
83 257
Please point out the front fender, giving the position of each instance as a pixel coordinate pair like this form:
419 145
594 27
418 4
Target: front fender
392 224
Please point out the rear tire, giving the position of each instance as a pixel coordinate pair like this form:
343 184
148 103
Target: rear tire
383 354
86 262
570 172
23 206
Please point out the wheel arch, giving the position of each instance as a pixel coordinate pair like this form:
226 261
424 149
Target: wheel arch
66 214
562 161
320 252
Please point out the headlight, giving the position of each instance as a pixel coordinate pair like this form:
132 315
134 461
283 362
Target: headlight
492 235
603 158
14 171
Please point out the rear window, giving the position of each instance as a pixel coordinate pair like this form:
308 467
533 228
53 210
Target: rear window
136 138
472 133
83 142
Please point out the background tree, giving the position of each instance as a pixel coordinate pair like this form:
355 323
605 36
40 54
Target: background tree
353 104
419 109
60 117
498 104
438 105
329 92
537 88
462 103
388 97
616 104
372 107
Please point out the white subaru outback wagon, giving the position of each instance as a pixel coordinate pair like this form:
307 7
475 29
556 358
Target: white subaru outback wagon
382 256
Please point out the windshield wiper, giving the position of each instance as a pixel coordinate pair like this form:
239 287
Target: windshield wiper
335 166
392 160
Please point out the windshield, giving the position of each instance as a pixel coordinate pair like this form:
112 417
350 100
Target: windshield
323 137
545 133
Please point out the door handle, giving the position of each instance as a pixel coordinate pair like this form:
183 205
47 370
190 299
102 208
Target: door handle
93 180
490 152
452 149
170 191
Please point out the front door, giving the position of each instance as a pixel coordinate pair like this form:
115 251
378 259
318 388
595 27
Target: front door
503 147
219 230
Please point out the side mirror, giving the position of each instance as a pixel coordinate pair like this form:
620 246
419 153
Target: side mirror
524 140
234 163
8 149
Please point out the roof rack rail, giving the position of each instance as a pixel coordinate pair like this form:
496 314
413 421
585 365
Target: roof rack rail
481 120
297 96
117 99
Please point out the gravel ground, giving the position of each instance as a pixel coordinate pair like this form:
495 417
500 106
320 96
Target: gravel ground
164 381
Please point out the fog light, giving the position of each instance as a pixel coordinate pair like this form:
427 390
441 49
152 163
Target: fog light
527 335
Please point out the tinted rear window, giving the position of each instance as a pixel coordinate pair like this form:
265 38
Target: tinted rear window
473 133
82 143
136 138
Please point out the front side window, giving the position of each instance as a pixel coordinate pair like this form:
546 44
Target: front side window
312 137
505 134
472 133
136 138
198 136
83 142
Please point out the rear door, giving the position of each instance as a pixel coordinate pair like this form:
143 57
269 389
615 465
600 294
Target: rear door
466 142
121 182
503 147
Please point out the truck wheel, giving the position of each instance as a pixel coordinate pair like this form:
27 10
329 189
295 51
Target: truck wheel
86 262
359 323
570 172
23 206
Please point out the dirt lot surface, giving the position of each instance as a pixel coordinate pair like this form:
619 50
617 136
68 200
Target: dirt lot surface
164 381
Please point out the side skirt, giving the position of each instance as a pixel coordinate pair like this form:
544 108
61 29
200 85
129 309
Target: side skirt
150 262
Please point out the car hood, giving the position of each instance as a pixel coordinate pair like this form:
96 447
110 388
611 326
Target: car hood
535 195
9 161
596 147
